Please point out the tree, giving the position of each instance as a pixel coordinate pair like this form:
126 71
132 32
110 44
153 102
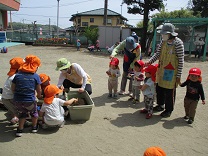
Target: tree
183 13
143 7
91 33
200 7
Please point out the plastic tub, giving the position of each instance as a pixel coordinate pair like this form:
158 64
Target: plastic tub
80 112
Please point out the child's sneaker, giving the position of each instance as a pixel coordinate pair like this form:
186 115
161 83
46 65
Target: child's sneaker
186 117
115 96
122 92
190 121
144 111
19 132
35 129
148 115
134 101
109 95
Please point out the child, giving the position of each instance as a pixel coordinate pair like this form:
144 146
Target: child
7 95
45 81
138 77
148 90
91 48
52 110
98 45
113 73
194 91
78 44
24 85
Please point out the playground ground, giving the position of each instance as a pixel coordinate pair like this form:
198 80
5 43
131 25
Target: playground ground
115 128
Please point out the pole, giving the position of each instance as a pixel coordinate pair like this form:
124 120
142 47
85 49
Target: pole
105 13
49 27
58 19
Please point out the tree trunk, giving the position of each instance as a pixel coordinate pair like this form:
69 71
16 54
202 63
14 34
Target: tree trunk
145 25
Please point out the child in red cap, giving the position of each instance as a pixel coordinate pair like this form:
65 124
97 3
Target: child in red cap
194 91
24 85
148 90
52 110
113 73
7 95
138 78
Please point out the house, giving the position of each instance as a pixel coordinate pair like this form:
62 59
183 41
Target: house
95 18
7 5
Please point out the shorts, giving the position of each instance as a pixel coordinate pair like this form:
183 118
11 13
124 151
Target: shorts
23 108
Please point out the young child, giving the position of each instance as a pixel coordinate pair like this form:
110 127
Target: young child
45 81
194 91
7 95
52 112
98 45
113 73
148 90
138 78
78 44
24 85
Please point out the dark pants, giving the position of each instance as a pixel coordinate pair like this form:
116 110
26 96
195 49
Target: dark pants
167 97
67 84
198 52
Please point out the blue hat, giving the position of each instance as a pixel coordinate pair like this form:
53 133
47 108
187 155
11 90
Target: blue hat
130 43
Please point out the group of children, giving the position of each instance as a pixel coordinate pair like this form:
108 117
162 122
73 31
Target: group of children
21 90
147 82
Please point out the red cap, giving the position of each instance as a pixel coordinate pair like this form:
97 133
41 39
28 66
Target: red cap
140 62
195 71
152 69
114 61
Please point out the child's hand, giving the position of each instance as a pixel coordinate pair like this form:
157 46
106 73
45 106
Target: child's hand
108 73
203 102
81 90
75 100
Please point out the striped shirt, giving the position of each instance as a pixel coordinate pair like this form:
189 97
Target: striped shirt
179 48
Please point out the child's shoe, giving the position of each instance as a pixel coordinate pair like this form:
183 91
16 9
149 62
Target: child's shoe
148 115
144 111
115 96
35 129
190 121
122 92
19 132
186 117
109 95
134 101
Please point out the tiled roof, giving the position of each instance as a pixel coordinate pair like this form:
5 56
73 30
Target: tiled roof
98 12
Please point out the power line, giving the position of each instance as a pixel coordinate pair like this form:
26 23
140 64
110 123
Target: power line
53 6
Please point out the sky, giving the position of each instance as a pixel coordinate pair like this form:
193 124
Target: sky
42 10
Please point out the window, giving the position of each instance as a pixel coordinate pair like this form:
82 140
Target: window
91 20
79 21
109 21
85 24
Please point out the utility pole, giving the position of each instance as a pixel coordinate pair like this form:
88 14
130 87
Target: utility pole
105 13
58 18
49 27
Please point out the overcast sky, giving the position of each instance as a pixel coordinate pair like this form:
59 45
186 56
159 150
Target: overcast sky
42 10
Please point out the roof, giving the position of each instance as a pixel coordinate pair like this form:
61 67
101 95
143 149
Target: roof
97 12
183 21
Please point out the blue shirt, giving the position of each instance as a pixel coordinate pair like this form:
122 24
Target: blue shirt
25 86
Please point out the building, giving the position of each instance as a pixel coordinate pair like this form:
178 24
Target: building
7 5
95 18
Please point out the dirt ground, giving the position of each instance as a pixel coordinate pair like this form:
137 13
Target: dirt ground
116 127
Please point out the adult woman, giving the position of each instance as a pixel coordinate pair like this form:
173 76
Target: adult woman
170 54
73 75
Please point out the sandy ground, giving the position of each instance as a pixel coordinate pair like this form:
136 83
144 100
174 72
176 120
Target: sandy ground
116 127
